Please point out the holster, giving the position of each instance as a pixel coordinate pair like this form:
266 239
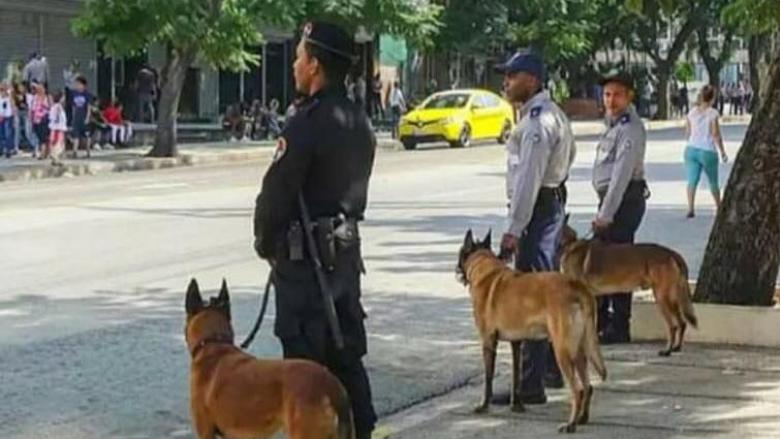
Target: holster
326 242
331 235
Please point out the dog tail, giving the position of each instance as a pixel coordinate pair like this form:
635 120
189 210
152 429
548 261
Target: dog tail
686 303
592 348
343 406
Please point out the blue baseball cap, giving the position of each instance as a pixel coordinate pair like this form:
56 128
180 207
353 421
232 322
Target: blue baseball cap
523 61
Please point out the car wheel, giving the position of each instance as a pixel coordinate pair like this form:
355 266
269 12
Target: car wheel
409 144
506 131
464 139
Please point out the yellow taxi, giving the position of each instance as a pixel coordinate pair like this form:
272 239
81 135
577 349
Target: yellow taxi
457 117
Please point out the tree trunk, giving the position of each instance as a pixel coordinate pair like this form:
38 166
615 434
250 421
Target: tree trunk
664 74
177 63
741 263
761 50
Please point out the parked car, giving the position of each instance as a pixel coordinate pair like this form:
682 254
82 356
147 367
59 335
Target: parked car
457 117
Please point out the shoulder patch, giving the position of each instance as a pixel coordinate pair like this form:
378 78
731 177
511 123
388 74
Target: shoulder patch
281 149
536 111
626 118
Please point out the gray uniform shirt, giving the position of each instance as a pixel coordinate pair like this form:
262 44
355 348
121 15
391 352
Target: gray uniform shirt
540 152
620 158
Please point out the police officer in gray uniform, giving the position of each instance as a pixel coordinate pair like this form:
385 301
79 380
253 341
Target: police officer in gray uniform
540 153
619 181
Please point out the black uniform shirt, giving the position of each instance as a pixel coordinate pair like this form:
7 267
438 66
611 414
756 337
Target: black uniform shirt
327 150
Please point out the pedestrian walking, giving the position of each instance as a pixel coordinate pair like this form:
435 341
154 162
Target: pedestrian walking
81 111
684 102
69 75
703 134
377 107
748 100
732 96
739 97
619 181
323 161
540 153
36 70
146 92
58 128
6 121
360 90
397 107
39 117
22 125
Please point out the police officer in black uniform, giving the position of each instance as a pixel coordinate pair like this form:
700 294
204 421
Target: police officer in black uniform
325 152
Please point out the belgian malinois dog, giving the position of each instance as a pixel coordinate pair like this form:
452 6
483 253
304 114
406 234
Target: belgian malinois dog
513 306
612 268
235 395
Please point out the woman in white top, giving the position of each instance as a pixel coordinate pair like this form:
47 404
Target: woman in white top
703 133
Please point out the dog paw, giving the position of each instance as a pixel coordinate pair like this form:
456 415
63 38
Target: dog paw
518 408
665 353
677 349
481 409
584 419
567 428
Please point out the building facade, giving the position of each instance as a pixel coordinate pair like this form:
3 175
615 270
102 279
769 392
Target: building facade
44 26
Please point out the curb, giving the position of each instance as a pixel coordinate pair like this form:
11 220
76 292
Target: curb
718 324
74 168
251 153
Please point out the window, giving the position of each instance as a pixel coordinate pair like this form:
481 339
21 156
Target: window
450 100
491 101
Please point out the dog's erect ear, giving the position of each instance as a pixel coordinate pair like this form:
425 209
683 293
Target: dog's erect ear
468 242
193 303
223 300
223 297
486 243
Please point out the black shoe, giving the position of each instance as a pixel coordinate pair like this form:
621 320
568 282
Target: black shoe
612 336
537 399
553 381
501 398
504 399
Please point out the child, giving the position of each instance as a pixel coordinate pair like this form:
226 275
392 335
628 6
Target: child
81 115
121 131
39 116
58 126
97 128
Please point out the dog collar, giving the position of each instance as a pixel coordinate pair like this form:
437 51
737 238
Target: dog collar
216 339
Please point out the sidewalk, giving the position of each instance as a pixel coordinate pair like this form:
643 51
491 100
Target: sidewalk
134 159
707 391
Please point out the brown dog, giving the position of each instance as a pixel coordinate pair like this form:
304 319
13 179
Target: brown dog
238 396
613 268
512 306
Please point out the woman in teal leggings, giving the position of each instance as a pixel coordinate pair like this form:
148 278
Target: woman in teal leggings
703 133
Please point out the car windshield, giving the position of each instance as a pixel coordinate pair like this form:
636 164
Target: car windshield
452 100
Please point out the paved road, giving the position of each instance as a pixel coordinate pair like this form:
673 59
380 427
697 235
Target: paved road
94 273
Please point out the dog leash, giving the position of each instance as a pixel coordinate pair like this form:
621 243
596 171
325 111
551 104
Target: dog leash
251 337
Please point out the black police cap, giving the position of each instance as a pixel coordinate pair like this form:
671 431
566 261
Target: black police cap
330 37
620 78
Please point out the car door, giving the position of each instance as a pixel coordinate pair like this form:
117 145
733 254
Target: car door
480 116
496 115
